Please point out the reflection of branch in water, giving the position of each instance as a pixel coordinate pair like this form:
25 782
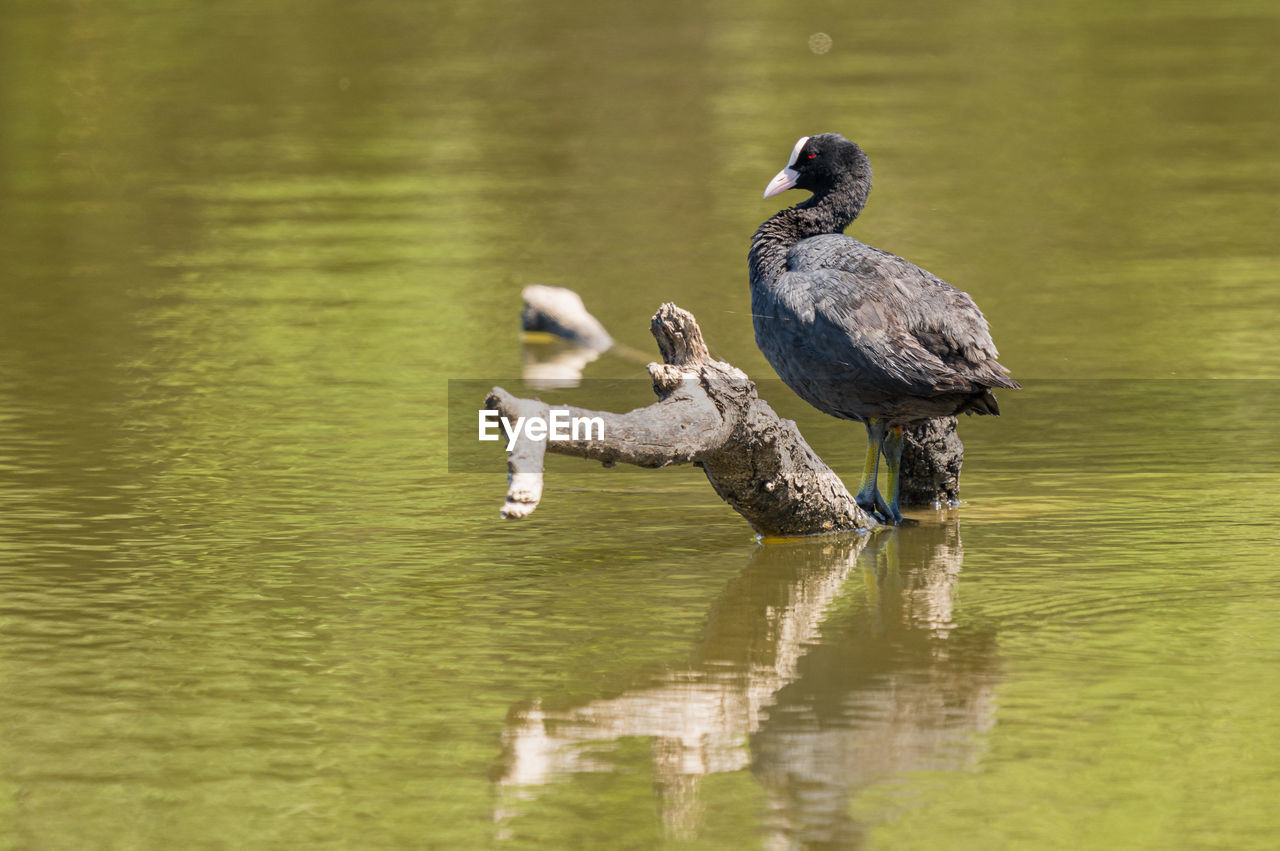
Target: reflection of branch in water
826 708
699 718
554 364
896 687
916 577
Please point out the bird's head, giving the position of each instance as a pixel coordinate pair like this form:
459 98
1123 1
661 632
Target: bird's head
821 164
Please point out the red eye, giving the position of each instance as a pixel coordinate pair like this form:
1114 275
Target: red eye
810 156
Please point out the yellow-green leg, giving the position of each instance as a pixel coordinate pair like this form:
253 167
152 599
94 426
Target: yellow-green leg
867 491
891 447
869 498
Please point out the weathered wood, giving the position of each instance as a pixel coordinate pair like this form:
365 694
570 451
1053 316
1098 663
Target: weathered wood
707 414
932 455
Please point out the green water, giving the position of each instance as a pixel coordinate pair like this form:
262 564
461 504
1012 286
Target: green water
244 602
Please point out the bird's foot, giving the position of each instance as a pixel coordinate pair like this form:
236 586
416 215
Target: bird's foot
873 507
895 519
887 514
884 513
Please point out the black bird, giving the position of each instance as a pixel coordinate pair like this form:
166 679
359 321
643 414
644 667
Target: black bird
857 332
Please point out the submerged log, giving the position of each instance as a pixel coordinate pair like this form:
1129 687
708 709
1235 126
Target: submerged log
932 455
707 414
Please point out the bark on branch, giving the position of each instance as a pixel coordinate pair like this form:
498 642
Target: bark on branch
707 414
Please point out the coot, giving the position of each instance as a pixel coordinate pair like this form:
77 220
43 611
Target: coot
857 332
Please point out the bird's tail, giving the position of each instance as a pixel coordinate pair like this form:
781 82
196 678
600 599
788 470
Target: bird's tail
984 401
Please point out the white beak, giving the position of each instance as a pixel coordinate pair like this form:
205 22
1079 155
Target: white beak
782 181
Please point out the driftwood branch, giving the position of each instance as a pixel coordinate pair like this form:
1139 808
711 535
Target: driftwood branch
707 414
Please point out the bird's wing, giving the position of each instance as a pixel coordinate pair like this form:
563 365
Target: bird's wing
856 338
931 314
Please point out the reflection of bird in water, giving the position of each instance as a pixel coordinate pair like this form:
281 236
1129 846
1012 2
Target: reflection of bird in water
818 697
895 686
856 332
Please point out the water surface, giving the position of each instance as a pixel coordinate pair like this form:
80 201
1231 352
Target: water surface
245 603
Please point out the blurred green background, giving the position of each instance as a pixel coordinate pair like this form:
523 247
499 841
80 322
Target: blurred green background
246 246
